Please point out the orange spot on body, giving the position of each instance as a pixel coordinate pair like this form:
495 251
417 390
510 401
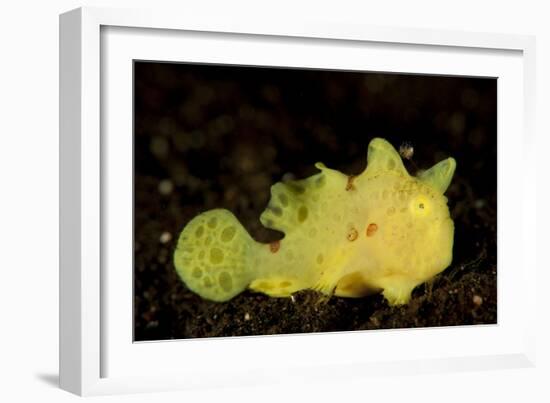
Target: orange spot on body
371 229
352 234
349 185
275 246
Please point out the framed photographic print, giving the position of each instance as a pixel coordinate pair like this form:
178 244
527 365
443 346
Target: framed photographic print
237 198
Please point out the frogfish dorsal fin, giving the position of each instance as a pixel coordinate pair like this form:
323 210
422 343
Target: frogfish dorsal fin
292 202
382 158
439 176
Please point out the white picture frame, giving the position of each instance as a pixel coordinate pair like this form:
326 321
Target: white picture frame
96 354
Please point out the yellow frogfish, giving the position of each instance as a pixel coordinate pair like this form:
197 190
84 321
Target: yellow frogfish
350 236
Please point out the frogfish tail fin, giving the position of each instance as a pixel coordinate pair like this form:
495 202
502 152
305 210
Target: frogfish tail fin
213 255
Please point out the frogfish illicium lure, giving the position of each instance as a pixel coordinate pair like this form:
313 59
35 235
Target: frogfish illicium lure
380 231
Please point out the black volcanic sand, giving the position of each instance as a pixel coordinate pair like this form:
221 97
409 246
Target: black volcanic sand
218 137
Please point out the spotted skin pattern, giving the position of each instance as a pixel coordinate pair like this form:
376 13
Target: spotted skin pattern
381 231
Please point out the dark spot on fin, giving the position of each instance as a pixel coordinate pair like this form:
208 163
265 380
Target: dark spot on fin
295 187
276 210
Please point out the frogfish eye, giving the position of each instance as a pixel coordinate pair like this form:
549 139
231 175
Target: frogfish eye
420 206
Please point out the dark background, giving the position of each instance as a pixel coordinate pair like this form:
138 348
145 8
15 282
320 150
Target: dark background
209 136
